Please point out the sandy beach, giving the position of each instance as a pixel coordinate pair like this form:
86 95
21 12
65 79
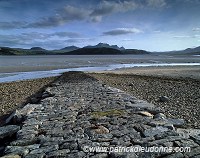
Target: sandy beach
166 71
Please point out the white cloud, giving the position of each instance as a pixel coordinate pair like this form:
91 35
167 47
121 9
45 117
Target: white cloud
196 29
182 36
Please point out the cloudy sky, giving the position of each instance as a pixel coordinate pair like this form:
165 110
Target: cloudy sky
155 25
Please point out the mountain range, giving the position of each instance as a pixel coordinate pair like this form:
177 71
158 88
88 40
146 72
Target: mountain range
99 49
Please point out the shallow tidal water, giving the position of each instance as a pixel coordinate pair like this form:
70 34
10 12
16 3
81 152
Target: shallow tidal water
14 68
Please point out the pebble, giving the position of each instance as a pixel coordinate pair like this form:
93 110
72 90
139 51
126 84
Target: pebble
163 98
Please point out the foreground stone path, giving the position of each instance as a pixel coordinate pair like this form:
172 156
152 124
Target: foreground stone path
78 112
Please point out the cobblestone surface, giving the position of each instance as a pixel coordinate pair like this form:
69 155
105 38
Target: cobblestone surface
78 111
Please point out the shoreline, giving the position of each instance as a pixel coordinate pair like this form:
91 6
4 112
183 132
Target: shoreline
176 72
193 68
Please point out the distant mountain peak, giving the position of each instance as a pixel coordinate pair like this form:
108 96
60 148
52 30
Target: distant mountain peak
106 45
102 45
37 48
69 48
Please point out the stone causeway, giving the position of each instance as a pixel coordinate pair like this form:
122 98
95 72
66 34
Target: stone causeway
79 116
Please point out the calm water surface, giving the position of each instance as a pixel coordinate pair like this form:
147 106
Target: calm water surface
14 68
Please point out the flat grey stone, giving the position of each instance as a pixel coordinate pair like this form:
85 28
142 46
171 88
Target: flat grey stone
101 155
69 145
24 142
154 131
196 139
11 156
186 133
58 153
8 131
42 155
186 143
140 106
45 150
122 155
167 139
159 116
175 155
76 154
16 150
176 122
193 152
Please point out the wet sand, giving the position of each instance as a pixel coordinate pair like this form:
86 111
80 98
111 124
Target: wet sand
165 71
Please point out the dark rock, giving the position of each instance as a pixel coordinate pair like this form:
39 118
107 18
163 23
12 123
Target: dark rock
117 133
76 154
166 134
142 141
130 84
196 139
58 153
24 142
176 122
34 100
186 133
163 99
193 152
122 155
42 155
18 150
139 106
45 150
175 155
69 145
8 131
186 143
102 155
167 139
154 131
159 116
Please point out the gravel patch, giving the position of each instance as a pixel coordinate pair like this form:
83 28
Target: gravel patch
15 94
182 95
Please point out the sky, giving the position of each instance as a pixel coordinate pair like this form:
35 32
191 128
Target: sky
153 25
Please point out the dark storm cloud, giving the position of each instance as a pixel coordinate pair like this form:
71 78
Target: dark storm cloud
109 7
66 14
67 34
121 31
